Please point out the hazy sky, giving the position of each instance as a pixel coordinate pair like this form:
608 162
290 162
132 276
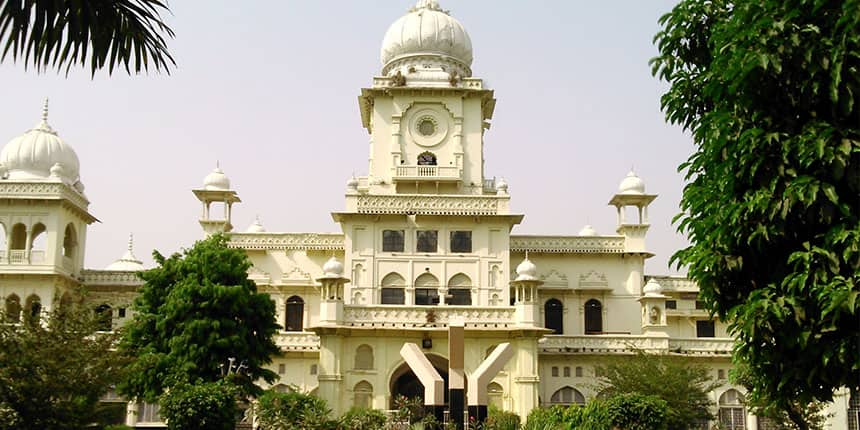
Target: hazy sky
270 89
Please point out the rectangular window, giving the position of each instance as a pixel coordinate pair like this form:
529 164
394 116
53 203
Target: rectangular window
578 372
393 296
721 374
392 241
121 312
459 297
426 241
282 368
671 304
554 371
700 304
705 328
461 241
313 369
566 371
426 296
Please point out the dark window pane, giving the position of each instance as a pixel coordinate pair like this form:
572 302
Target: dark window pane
461 241
700 304
553 316
392 241
671 304
705 328
460 296
426 296
295 314
593 317
426 241
393 296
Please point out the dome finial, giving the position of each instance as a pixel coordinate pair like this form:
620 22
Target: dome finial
428 4
130 242
45 110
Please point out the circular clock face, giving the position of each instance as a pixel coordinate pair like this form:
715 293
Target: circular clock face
426 127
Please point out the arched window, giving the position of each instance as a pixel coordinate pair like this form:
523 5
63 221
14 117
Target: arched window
104 317
393 286
357 273
732 415
38 240
70 241
33 308
364 358
553 312
18 247
13 309
460 290
3 244
427 158
495 395
567 396
295 314
593 317
426 290
363 395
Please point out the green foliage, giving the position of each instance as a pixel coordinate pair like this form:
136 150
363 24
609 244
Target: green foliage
546 419
593 416
683 385
53 372
205 406
49 34
196 312
634 411
409 410
768 90
812 415
498 419
362 418
117 427
288 411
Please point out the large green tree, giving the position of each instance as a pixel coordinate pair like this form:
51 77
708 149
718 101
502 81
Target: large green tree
104 33
196 313
768 90
54 370
683 385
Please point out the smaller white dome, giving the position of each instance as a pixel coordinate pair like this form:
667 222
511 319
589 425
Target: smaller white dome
332 268
653 288
588 230
128 262
216 181
502 186
632 184
256 227
527 271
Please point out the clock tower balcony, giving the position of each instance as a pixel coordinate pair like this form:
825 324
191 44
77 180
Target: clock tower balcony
428 173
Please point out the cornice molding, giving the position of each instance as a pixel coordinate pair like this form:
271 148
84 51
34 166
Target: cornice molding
568 244
292 241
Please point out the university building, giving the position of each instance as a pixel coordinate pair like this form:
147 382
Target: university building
425 240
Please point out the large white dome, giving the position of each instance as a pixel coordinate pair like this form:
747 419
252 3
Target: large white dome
427 33
33 154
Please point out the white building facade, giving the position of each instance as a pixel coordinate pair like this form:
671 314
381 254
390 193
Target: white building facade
425 240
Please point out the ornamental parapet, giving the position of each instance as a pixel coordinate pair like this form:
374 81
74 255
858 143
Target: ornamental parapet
297 341
675 283
296 241
628 344
399 316
568 244
423 204
46 191
110 277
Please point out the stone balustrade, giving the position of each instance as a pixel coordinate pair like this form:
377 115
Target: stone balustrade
627 344
297 341
399 316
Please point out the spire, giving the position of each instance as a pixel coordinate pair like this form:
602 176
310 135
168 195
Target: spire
427 4
45 110
43 124
130 243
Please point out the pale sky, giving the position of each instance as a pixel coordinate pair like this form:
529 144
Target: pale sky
269 89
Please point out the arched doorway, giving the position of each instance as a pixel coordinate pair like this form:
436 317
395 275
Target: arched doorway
404 382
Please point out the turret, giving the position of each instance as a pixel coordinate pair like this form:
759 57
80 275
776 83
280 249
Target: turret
216 189
631 193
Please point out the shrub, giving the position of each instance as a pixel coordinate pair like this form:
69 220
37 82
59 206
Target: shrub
362 419
636 411
288 411
205 406
498 419
546 419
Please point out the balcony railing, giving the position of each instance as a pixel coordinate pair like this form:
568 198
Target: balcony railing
627 344
400 316
427 173
18 256
297 341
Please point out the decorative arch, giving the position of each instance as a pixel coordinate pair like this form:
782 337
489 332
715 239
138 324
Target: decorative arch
104 317
402 380
33 308
70 241
460 290
357 275
362 395
18 238
295 314
363 357
426 289
567 396
593 317
553 311
13 309
38 237
732 414
393 289
495 395
427 158
4 245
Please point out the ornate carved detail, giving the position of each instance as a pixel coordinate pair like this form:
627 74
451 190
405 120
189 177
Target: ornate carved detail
593 279
107 277
259 276
297 276
42 190
297 341
626 344
292 241
428 205
554 279
568 244
416 316
675 283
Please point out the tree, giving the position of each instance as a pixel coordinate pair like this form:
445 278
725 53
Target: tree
57 33
292 410
53 372
207 406
767 90
196 312
684 386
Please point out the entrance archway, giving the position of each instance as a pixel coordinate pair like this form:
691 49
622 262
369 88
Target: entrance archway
404 382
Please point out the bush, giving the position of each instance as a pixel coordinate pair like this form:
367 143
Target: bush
637 412
546 419
498 419
205 406
288 411
362 419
